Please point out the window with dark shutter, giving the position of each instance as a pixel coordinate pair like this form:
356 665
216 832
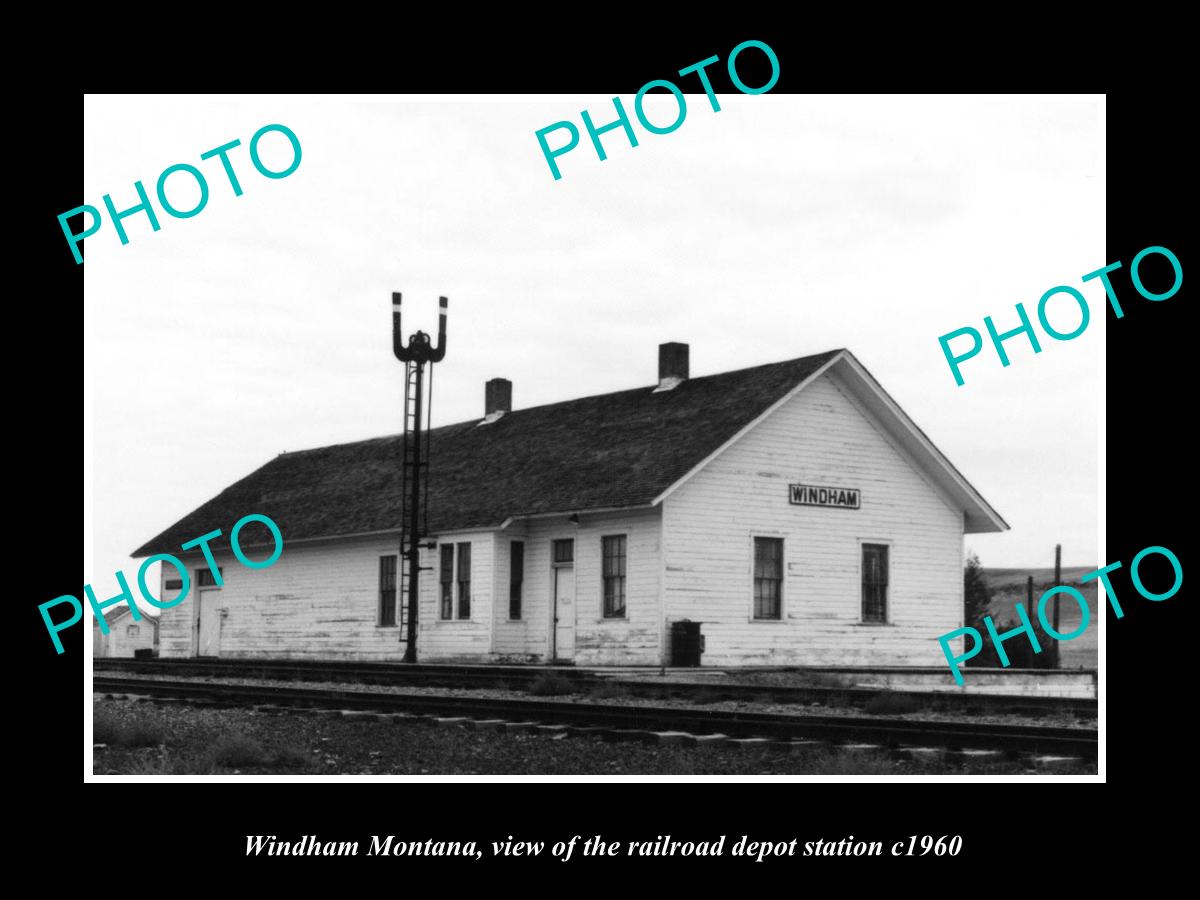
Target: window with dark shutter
387 591
516 578
768 578
874 582
464 581
447 581
613 552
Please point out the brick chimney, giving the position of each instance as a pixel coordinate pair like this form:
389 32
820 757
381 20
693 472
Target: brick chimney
672 366
497 399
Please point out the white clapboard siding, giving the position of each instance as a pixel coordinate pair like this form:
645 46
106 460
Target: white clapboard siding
633 640
457 639
522 639
318 601
124 636
819 437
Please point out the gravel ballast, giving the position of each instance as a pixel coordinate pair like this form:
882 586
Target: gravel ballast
1056 719
144 738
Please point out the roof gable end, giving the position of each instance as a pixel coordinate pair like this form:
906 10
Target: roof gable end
873 400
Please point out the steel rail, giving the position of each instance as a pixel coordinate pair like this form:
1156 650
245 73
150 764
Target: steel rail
521 677
888 731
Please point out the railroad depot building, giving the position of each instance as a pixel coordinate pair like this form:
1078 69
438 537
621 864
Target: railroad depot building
791 509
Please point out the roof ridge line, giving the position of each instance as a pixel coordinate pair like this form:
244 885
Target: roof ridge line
526 409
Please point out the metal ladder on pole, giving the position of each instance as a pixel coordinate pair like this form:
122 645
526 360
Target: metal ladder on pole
412 468
414 492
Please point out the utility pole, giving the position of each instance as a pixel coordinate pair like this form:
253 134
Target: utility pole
1057 582
414 463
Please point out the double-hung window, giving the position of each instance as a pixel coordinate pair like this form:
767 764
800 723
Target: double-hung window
464 581
446 582
454 581
874 582
768 578
613 552
516 577
387 591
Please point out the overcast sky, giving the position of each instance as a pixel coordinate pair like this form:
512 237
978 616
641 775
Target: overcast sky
779 227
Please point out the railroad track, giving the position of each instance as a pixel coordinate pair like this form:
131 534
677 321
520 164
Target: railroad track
888 732
520 678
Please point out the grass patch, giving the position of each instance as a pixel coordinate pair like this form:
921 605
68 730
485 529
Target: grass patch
168 764
107 730
551 684
892 705
704 695
235 752
609 692
143 734
290 758
839 762
238 751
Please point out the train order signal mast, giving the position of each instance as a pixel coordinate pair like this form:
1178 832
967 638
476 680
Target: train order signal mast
414 467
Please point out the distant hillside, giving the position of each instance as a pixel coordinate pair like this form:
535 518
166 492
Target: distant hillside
1004 578
1008 589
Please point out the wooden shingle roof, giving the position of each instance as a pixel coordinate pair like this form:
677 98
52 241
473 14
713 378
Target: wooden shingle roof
609 451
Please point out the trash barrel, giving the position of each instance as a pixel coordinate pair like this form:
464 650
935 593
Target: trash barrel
686 643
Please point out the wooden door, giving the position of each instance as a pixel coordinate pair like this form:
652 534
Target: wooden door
208 626
564 612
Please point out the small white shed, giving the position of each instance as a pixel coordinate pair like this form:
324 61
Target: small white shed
125 635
